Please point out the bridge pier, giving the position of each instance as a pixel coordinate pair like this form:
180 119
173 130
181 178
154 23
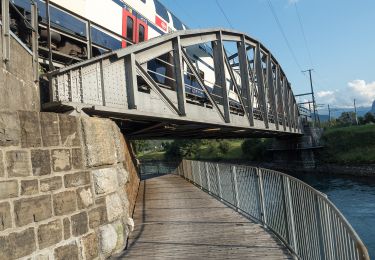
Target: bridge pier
297 152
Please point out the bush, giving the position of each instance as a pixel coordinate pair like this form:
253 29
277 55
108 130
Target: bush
224 147
255 149
354 144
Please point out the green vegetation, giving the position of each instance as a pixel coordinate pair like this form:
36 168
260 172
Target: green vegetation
251 149
352 144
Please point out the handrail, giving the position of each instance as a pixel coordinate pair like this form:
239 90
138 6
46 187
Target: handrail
304 219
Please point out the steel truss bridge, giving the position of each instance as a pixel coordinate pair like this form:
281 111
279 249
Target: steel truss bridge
120 85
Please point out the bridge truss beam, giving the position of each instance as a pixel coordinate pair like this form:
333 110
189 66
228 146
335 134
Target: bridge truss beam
125 85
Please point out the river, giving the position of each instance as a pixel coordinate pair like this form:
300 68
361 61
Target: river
354 197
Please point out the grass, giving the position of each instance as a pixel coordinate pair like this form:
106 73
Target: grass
354 144
152 156
234 152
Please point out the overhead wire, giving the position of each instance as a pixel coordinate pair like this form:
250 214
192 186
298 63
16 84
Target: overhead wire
283 34
303 34
223 12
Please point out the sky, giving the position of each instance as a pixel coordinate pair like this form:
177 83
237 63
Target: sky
340 39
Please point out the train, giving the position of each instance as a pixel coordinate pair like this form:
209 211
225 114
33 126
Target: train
82 29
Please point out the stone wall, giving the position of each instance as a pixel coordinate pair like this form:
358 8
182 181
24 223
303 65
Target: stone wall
65 185
17 87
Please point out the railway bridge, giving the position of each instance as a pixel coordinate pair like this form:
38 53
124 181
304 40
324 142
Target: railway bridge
68 182
177 102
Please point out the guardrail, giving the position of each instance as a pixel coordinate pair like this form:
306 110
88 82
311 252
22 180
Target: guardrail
304 219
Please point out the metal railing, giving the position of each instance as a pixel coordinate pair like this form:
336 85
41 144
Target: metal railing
156 167
9 15
304 219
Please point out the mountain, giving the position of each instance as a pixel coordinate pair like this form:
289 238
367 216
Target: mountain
373 108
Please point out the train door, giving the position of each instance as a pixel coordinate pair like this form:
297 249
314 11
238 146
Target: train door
141 31
129 22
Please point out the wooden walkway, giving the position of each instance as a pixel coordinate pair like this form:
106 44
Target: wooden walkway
176 220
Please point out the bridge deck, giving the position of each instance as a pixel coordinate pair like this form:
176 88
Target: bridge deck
176 220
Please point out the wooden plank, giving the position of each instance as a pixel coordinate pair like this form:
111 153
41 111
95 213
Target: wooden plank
176 220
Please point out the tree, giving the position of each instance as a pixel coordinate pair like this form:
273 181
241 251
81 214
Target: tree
182 149
224 147
255 149
346 118
369 118
139 146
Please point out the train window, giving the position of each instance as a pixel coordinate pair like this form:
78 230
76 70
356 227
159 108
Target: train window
66 22
105 40
129 28
161 10
141 33
177 23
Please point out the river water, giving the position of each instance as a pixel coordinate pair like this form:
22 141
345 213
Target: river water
354 197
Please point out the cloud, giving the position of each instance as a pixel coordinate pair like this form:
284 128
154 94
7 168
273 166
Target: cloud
363 92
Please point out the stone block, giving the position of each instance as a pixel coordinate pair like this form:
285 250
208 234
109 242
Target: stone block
30 130
17 245
98 217
77 160
105 180
32 210
5 217
8 189
121 235
79 224
98 141
51 184
67 233
119 143
29 187
67 252
84 197
61 160
49 124
18 163
107 240
69 131
49 234
77 179
122 176
41 162
42 257
2 169
115 207
90 246
64 203
10 131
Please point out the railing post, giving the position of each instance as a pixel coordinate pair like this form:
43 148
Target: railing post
289 207
208 177
131 81
200 175
235 187
319 225
5 29
261 197
35 44
219 181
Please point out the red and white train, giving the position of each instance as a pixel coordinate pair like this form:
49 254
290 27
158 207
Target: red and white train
81 29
